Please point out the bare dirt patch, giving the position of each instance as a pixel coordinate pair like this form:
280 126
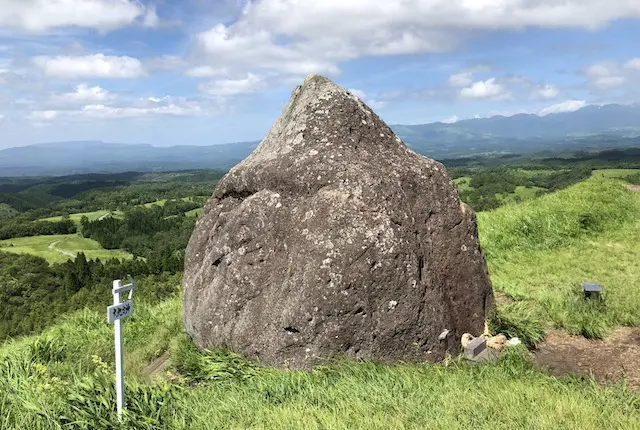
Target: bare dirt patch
609 360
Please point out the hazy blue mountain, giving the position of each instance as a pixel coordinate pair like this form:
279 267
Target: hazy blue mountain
590 128
61 158
527 132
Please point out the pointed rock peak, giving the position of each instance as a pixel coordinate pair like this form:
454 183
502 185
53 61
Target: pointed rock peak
322 115
323 131
314 79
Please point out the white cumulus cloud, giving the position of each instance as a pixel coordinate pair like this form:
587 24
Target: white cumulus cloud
128 108
99 111
83 94
605 75
300 37
484 90
545 92
566 106
45 15
90 66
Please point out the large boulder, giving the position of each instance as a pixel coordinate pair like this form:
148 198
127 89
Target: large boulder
333 238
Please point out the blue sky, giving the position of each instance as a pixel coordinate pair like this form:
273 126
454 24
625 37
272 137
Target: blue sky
199 72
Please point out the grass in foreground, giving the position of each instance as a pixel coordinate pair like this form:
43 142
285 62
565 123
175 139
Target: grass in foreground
51 380
60 248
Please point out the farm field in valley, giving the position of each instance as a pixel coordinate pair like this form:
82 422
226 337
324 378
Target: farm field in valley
60 248
615 173
92 216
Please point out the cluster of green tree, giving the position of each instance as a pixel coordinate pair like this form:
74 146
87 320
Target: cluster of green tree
488 186
179 207
633 179
27 201
7 211
46 197
559 179
146 233
20 228
609 159
34 294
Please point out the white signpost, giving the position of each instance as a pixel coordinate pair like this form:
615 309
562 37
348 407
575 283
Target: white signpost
115 314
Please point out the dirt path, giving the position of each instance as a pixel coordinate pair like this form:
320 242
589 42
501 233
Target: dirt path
104 216
608 360
52 245
635 188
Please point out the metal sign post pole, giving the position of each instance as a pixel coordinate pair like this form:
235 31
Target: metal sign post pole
119 353
115 314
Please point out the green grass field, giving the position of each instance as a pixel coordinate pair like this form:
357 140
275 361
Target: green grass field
92 216
614 173
538 252
194 212
522 193
164 202
59 248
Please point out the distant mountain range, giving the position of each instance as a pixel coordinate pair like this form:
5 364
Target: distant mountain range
589 128
65 158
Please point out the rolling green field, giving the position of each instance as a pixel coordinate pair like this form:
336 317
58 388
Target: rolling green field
538 253
59 248
193 213
614 173
521 192
91 215
164 202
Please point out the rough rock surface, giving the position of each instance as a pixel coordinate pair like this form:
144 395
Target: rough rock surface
333 238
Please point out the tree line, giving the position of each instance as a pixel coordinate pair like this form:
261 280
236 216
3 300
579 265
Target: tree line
145 233
10 229
35 294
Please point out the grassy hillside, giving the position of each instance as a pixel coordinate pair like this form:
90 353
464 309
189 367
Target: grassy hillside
615 173
59 248
92 216
538 252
